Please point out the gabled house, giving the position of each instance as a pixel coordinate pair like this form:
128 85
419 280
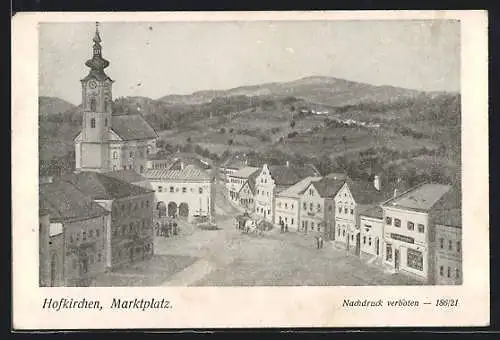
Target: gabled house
274 179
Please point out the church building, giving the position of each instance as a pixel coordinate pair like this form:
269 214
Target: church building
109 141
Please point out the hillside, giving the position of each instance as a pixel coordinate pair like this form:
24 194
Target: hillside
53 105
322 90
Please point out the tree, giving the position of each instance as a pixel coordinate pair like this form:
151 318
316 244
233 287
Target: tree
292 124
230 142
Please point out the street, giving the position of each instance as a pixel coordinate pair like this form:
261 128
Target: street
228 257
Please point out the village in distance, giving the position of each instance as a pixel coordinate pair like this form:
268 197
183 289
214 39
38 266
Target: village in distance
319 181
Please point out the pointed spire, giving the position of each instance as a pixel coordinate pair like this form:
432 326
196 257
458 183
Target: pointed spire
97 37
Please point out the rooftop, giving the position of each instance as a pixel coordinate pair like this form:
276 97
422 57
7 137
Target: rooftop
66 202
132 127
245 172
298 188
101 187
289 175
364 192
420 198
234 162
448 209
374 211
188 173
328 187
129 176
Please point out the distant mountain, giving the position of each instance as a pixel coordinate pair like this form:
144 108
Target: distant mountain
53 105
317 89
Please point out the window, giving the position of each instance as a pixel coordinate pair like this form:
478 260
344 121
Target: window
340 210
450 245
338 232
286 206
141 169
449 272
345 210
397 222
115 155
123 207
131 227
106 109
92 123
305 206
329 208
364 239
441 243
84 237
91 259
343 233
411 226
388 220
97 232
291 221
200 190
319 207
458 247
147 204
352 211
92 106
311 192
421 228
130 154
352 237
268 211
441 270
310 206
99 257
415 259
457 273
160 188
171 189
184 190
124 230
130 166
369 241
91 233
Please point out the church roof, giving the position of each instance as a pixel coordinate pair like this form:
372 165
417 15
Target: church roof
188 173
101 187
132 127
66 202
328 187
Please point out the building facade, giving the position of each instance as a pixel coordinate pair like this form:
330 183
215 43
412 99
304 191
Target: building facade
407 234
274 179
236 180
372 232
246 195
185 193
109 141
318 207
130 230
78 229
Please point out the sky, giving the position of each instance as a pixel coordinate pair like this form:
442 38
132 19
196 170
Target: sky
157 59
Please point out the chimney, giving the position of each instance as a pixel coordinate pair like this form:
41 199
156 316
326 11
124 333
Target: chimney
246 161
287 164
396 193
182 165
376 182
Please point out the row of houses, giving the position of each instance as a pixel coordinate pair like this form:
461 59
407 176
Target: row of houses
90 223
416 230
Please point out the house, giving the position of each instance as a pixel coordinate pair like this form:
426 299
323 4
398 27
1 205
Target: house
354 196
246 194
272 180
317 204
446 239
186 192
78 232
288 203
109 140
236 180
407 229
231 165
371 231
130 230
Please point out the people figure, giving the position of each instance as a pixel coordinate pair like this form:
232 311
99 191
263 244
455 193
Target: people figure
320 239
175 229
317 242
286 228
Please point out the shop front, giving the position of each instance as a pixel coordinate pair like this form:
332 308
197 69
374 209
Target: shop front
404 254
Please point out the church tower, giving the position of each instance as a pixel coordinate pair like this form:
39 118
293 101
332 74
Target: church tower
92 150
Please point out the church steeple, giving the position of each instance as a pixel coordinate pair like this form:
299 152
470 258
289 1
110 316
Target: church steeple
97 64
